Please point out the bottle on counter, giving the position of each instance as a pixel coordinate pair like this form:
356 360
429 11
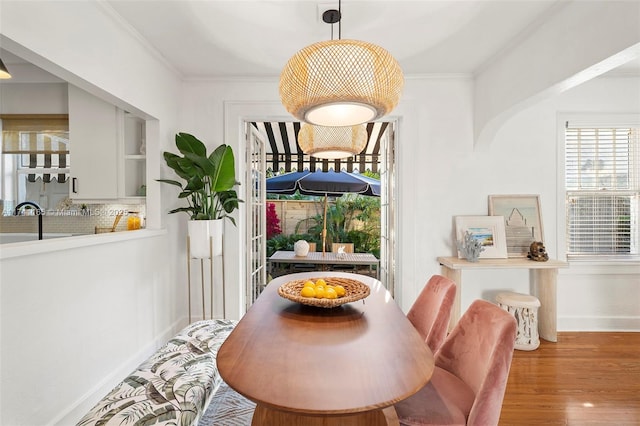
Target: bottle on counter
134 221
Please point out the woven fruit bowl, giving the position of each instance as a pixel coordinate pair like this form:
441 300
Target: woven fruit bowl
354 290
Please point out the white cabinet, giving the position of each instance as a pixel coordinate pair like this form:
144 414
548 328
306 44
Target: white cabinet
133 178
93 136
107 153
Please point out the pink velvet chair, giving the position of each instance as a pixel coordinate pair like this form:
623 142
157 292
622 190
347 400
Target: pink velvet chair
470 377
431 311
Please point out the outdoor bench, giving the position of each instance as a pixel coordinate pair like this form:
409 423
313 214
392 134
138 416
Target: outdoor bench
173 387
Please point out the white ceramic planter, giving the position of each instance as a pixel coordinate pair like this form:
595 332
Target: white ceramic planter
199 233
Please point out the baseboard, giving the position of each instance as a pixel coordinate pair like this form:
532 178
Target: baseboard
73 413
608 323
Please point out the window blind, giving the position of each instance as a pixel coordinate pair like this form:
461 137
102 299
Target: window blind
42 142
13 125
601 179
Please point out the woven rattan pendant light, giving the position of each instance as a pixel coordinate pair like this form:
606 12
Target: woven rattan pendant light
340 82
332 142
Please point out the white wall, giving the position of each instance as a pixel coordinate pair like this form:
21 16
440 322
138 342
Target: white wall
40 98
579 41
591 296
521 159
73 322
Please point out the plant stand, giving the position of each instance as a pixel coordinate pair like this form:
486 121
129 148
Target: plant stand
211 259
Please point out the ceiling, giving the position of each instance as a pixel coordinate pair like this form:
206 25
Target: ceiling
254 38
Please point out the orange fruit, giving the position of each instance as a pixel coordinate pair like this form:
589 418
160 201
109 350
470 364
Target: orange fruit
320 281
340 291
309 283
307 292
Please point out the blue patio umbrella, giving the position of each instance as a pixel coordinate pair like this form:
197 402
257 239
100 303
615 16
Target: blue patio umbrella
327 184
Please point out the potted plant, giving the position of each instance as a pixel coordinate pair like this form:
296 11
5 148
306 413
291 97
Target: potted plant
208 189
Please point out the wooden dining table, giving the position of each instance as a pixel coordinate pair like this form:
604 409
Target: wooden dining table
308 365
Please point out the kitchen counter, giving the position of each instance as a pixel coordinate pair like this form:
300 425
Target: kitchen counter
27 248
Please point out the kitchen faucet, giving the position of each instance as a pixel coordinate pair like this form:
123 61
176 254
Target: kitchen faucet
39 212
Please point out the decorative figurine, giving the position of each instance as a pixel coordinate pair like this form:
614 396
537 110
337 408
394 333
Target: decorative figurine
538 252
470 247
301 248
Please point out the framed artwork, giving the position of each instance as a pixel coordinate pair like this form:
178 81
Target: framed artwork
489 230
522 221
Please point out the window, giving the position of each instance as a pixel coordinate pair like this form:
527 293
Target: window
602 191
35 159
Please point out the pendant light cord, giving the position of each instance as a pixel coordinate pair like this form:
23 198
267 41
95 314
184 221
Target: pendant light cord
340 21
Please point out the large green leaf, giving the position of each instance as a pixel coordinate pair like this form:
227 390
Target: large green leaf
171 182
173 161
206 166
183 209
195 183
225 173
189 168
187 143
229 200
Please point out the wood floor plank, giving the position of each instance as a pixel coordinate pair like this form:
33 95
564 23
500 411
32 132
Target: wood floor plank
586 378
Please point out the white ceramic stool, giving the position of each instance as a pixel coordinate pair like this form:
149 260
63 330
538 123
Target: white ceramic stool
524 308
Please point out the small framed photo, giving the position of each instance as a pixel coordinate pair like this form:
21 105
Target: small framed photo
489 230
522 221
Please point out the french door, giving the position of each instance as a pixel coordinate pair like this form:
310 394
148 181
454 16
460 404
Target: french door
255 199
387 209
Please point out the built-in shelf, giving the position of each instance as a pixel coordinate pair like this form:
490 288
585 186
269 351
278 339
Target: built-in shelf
135 157
134 171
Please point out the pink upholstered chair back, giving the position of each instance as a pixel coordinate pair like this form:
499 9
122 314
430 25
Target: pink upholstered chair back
431 311
479 351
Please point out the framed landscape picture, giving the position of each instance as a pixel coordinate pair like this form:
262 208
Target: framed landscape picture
522 221
489 230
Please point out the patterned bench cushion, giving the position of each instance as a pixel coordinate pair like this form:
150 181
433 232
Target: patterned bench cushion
172 387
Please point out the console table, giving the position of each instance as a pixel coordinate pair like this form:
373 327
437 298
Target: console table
543 276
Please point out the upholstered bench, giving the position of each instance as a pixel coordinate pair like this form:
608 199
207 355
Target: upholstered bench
173 387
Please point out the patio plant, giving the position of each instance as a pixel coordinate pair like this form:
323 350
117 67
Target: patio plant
273 222
341 220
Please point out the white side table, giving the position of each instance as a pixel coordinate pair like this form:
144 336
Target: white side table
524 308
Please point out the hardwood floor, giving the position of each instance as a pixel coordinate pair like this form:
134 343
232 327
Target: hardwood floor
584 379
